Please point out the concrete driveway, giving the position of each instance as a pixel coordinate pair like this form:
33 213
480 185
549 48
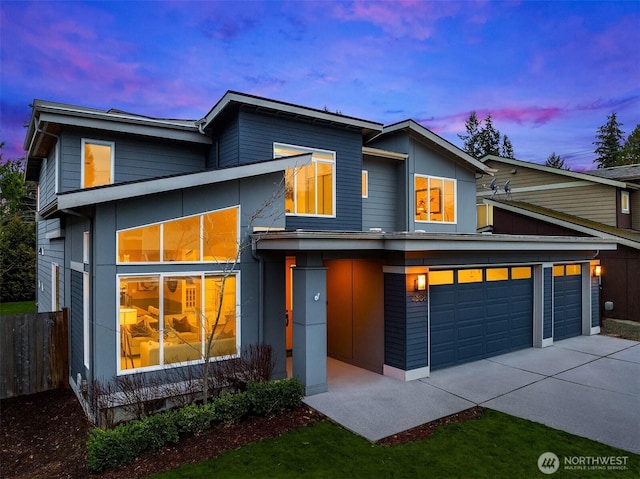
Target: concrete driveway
588 386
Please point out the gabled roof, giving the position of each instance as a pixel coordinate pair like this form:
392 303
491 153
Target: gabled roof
436 142
623 236
620 173
561 172
232 98
134 189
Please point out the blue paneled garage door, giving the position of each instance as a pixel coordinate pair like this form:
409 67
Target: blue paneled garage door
567 301
479 313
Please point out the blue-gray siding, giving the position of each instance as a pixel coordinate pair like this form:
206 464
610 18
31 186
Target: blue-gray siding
382 207
255 138
547 308
134 159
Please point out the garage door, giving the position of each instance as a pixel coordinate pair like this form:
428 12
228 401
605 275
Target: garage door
567 301
479 313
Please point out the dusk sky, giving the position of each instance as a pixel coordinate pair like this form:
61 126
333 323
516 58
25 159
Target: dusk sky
548 72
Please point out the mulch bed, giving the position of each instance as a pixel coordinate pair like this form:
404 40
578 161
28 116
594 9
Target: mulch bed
44 436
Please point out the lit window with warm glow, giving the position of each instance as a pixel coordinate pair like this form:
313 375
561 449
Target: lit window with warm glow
365 184
309 189
435 199
624 202
97 163
208 237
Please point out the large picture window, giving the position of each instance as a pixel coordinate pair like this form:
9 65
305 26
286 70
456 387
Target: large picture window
167 319
97 163
309 189
435 199
208 237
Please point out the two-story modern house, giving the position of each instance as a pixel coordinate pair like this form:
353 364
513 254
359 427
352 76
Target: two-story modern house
602 203
267 222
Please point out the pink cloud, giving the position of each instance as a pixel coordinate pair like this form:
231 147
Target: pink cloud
410 18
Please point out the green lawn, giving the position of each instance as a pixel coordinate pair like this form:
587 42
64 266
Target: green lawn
17 308
495 446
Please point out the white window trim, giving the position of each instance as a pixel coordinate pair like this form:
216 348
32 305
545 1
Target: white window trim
56 163
97 142
161 276
85 247
365 175
455 199
55 268
315 161
623 195
85 318
161 223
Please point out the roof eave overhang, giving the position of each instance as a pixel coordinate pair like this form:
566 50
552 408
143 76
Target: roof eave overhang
138 189
566 224
232 97
414 242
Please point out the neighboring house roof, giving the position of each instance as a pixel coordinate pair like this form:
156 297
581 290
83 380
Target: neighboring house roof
232 98
623 236
134 189
436 142
620 173
561 172
405 241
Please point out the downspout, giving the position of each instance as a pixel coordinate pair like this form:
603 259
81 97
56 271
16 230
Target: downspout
260 261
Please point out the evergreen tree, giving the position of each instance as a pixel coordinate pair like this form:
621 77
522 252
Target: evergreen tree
483 139
555 161
609 140
631 149
472 127
507 148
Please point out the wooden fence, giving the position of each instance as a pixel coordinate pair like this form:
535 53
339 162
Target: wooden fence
34 353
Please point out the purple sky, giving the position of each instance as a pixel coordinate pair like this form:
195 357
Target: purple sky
548 72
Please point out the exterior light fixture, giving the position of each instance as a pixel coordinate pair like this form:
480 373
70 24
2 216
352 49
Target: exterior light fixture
420 283
597 271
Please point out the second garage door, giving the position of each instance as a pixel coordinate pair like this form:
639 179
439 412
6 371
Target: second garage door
567 301
479 313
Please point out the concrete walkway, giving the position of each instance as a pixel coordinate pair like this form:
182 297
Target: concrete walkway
588 386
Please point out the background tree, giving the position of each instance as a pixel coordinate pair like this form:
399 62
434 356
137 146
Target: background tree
609 140
483 139
17 232
555 161
631 149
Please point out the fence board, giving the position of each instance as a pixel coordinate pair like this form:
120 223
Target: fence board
34 354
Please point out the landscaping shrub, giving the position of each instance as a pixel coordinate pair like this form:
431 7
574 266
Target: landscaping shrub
118 446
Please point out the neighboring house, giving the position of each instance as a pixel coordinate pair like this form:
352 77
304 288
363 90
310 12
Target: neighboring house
332 236
602 203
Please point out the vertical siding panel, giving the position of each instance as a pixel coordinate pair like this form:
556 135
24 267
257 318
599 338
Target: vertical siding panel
547 309
395 328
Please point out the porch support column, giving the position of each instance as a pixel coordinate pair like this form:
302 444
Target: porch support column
310 323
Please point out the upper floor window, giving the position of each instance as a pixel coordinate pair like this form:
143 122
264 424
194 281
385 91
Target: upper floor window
435 199
624 202
208 237
309 189
97 163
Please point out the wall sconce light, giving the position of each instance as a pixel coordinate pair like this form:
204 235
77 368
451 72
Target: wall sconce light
597 271
420 283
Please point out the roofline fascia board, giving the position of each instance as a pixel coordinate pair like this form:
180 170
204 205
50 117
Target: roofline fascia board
431 136
172 132
558 171
143 188
241 98
367 150
566 224
414 242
